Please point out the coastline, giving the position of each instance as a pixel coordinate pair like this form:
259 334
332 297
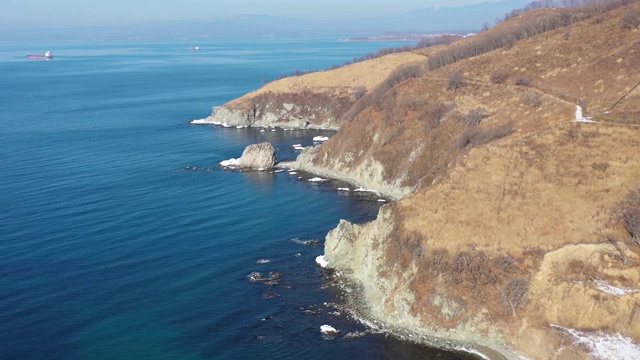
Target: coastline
352 293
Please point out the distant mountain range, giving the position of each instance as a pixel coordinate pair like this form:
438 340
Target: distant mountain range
423 20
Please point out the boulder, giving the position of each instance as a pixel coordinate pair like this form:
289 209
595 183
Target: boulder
258 156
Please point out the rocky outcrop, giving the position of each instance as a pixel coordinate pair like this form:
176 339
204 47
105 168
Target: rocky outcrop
258 156
358 254
229 116
368 174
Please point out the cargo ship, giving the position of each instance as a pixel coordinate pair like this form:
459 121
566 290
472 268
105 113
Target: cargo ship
46 56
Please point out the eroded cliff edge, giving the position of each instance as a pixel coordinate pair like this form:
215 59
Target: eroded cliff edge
509 231
314 101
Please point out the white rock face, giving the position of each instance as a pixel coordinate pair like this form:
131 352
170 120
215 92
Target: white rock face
231 117
258 156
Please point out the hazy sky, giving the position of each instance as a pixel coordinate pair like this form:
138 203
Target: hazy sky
23 14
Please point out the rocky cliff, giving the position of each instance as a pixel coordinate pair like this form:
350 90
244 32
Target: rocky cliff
511 229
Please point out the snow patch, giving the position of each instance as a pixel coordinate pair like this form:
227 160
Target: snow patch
580 118
230 163
604 346
200 122
328 330
366 190
320 260
317 179
614 290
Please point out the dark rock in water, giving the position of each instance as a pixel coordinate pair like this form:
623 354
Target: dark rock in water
195 168
270 295
272 280
255 277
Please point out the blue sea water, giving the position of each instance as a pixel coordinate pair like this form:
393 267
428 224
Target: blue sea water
111 249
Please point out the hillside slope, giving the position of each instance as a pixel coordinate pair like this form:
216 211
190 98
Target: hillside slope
504 241
508 232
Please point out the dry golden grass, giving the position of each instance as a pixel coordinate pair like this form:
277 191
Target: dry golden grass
365 74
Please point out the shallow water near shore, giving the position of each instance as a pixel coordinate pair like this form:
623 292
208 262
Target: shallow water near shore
120 236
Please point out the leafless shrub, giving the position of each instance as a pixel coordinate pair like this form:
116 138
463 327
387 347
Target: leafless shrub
474 117
618 253
437 40
433 114
523 81
631 20
506 264
499 76
631 215
478 135
532 99
439 262
455 81
514 295
419 252
359 92
412 103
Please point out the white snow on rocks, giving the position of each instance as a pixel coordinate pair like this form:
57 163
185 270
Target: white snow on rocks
366 190
230 163
201 122
320 260
614 290
328 330
604 346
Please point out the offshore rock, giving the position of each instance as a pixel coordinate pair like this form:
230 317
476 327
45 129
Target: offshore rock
258 156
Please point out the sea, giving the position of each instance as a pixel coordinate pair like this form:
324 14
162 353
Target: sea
122 238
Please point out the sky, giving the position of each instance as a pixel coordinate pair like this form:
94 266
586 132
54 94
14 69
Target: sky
38 14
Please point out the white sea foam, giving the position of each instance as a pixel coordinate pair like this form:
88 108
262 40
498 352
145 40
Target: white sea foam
240 127
225 125
320 138
320 260
604 346
343 189
230 163
263 261
298 147
200 122
317 179
382 200
293 173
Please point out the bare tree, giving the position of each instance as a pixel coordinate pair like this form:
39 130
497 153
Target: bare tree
631 215
514 295
455 81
